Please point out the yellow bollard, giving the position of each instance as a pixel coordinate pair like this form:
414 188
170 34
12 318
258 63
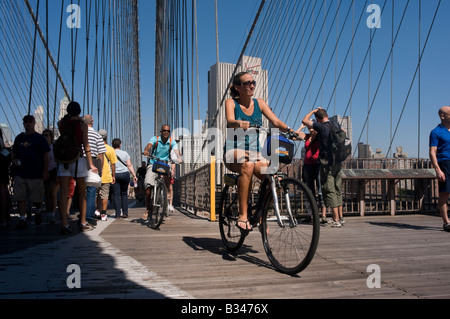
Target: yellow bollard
213 188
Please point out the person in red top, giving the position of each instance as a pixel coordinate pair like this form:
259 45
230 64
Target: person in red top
311 169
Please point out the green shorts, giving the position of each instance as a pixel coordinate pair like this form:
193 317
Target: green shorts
28 189
331 179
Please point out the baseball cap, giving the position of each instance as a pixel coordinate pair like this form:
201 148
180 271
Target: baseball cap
103 133
28 118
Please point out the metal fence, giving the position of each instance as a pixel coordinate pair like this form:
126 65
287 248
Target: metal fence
363 196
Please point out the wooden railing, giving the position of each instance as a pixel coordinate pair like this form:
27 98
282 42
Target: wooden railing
381 186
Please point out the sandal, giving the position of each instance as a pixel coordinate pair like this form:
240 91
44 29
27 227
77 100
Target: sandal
247 224
145 215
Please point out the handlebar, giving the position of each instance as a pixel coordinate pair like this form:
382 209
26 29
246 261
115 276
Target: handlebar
160 160
290 134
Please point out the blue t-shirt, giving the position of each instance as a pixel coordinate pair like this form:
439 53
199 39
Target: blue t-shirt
162 149
440 138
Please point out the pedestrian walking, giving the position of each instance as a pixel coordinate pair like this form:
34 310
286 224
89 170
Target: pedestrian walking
30 159
51 185
108 175
440 159
98 151
120 188
77 170
5 200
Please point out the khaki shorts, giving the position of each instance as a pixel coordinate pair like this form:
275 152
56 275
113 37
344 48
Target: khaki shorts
32 189
103 191
151 177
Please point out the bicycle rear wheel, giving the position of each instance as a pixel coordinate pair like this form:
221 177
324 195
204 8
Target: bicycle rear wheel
232 237
291 245
159 206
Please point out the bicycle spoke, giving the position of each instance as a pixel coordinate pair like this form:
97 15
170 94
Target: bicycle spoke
291 245
232 237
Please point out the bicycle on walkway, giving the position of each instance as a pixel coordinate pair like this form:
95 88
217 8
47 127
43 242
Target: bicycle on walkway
159 202
286 213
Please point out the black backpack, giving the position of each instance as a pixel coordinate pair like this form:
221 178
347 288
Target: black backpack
339 146
67 149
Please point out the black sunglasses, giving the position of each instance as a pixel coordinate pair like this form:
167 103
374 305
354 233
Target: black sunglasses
165 131
248 83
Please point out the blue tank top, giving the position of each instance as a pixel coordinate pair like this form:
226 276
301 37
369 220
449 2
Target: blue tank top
251 140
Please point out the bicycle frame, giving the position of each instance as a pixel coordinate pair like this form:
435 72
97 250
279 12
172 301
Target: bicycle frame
272 183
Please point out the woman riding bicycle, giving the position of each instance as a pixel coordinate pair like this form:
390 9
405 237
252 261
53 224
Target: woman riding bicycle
243 156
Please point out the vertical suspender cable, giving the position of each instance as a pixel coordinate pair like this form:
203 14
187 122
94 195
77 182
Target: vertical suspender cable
368 89
392 67
57 63
46 62
196 57
418 116
32 60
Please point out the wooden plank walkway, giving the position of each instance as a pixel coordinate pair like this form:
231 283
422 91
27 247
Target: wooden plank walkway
412 252
124 258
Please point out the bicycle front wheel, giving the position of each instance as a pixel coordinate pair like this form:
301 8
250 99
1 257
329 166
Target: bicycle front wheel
232 237
155 218
291 240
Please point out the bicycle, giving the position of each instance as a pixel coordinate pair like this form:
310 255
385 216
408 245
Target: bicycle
159 199
285 211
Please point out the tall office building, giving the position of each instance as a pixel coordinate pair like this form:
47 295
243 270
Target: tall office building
8 138
39 118
219 79
194 155
63 107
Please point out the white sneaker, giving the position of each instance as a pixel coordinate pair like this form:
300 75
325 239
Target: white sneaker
170 208
335 223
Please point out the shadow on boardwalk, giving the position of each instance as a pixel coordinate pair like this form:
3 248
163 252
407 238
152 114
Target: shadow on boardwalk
35 266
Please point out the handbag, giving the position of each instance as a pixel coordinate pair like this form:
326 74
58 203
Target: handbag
93 179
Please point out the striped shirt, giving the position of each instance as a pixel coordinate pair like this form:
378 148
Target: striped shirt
96 143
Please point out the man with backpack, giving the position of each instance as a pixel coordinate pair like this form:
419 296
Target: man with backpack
331 163
160 147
